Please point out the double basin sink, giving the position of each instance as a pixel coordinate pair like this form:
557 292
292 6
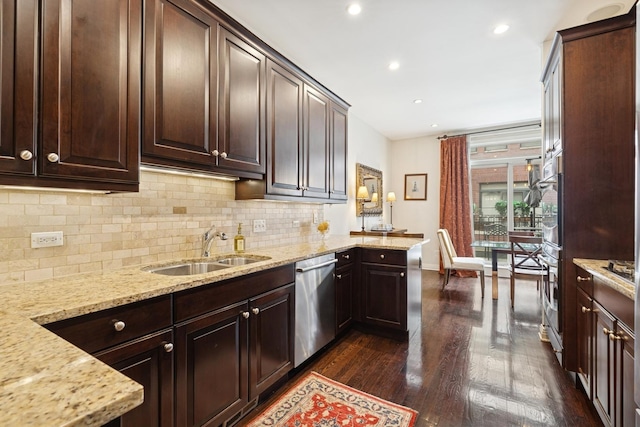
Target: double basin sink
188 268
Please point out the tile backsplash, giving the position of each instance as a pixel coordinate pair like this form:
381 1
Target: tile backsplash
164 220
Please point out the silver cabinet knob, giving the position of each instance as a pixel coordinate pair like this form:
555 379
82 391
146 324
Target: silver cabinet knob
401 274
585 309
381 256
168 347
583 279
53 157
26 155
119 325
245 314
345 256
339 276
215 153
255 310
223 155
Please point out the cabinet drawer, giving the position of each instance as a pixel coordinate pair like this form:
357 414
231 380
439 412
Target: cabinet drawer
384 256
204 299
345 257
97 331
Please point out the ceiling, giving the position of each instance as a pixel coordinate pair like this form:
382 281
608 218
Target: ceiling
467 77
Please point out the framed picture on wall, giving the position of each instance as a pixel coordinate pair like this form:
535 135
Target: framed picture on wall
415 186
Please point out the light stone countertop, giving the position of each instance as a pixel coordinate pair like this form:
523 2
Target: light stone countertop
598 268
44 380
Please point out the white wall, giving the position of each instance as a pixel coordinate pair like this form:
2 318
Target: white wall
417 156
370 148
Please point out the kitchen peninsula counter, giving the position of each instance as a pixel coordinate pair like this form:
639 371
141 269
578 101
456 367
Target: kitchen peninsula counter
44 380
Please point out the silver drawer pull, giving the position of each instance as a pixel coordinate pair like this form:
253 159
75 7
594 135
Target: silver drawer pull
246 314
255 310
26 155
168 347
583 279
382 256
119 325
53 157
345 256
401 274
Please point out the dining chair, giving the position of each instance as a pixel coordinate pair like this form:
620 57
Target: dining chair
452 261
524 260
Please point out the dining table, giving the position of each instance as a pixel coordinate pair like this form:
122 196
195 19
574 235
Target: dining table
496 247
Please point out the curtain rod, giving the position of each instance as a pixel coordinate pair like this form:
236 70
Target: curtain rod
491 130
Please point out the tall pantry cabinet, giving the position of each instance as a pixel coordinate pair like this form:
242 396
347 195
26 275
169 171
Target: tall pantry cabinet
589 123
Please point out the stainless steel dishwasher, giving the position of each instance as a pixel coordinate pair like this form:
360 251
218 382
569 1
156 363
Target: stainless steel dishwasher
315 305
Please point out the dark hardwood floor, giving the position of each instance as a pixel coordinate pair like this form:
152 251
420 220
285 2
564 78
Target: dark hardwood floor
474 363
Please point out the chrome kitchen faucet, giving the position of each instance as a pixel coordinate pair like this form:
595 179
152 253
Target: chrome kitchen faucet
208 237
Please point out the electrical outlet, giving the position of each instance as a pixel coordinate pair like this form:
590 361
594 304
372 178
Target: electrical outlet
296 223
47 239
315 217
259 225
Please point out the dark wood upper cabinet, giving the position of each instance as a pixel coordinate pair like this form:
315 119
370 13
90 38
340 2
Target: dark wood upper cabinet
241 137
18 86
315 152
338 156
284 130
180 80
90 88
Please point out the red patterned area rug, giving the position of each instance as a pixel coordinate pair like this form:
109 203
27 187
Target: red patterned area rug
319 401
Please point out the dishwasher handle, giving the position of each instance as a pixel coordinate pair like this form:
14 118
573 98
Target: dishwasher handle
315 267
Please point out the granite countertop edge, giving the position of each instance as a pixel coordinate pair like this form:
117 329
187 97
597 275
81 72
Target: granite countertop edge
598 268
45 380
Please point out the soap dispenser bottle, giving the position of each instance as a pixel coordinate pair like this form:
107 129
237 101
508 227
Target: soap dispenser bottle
238 241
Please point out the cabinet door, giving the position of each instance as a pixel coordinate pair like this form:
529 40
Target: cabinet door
384 293
91 74
18 86
315 168
271 338
585 333
626 405
241 139
211 366
180 81
338 159
603 364
284 131
149 361
344 297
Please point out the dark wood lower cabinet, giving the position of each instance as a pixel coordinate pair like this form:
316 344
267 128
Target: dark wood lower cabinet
345 282
211 366
149 361
585 340
226 358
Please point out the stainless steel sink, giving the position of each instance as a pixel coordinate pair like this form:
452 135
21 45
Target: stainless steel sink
241 260
188 268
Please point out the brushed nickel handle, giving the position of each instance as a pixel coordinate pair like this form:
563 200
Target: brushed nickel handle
345 256
381 256
245 314
223 155
215 153
26 155
168 347
119 325
53 157
255 310
585 309
583 279
339 276
607 331
402 274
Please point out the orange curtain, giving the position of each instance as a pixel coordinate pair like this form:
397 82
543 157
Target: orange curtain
455 210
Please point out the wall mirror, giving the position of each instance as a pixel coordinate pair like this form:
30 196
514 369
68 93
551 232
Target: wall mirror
372 179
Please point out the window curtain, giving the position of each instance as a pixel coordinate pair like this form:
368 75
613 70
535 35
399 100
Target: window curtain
455 210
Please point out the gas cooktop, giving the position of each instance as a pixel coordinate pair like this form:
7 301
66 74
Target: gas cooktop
623 269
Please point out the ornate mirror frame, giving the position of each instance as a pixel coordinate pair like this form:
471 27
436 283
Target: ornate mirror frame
372 179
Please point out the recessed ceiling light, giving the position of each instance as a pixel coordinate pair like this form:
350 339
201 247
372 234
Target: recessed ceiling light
417 101
394 65
435 125
604 12
500 29
354 9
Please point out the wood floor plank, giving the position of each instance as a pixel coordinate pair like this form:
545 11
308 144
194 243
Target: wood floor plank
474 362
